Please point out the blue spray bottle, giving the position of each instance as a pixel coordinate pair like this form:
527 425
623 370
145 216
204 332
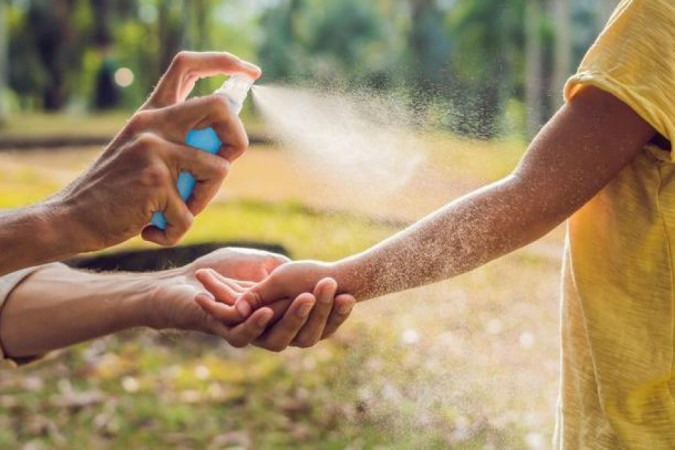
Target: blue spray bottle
235 90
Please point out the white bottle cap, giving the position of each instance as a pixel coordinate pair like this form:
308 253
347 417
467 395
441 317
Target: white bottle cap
236 89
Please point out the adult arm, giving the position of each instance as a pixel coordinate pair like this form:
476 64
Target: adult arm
56 306
584 146
136 174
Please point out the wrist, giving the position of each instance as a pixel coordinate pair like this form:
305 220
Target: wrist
63 224
156 289
59 225
35 235
350 277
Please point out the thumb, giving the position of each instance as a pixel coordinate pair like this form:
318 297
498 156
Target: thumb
266 292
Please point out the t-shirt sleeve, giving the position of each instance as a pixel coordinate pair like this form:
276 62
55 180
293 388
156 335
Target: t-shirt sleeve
7 284
634 60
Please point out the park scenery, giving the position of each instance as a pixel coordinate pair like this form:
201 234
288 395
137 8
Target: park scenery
368 116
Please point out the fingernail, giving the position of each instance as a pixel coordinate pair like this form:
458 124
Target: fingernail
243 307
325 299
304 310
252 67
345 309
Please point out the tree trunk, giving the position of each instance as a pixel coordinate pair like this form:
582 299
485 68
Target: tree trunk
4 61
562 65
534 67
171 32
201 26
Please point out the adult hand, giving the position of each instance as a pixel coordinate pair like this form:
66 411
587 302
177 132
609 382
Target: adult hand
299 322
136 174
303 322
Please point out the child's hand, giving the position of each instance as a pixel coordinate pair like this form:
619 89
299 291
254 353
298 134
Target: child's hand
303 322
285 282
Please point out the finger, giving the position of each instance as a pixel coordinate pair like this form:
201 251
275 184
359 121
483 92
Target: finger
311 333
279 309
219 311
179 220
208 170
188 67
245 333
222 292
239 286
262 294
197 113
280 335
342 308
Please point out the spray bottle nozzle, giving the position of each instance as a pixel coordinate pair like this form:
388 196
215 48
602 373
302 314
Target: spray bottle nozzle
235 89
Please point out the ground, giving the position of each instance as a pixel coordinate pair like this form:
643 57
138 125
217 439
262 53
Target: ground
468 363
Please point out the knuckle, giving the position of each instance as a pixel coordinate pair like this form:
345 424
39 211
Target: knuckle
139 121
220 167
146 142
239 146
218 104
155 175
181 59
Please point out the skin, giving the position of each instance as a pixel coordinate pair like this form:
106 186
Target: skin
135 174
584 146
113 201
82 306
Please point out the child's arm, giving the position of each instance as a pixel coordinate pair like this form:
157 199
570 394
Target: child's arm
584 146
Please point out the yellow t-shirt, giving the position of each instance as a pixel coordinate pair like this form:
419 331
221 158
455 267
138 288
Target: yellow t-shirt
618 310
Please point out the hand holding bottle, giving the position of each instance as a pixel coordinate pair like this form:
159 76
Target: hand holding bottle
136 174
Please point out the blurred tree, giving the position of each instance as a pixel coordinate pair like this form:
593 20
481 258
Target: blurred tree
334 41
46 48
428 52
3 60
170 31
56 38
468 60
487 58
534 63
563 67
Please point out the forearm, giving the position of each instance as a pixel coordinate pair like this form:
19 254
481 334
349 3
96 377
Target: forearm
35 235
586 144
463 235
58 306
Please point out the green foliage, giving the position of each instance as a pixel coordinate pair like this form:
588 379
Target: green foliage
487 61
336 41
461 62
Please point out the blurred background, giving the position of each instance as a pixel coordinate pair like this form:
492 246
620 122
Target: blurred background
506 60
470 363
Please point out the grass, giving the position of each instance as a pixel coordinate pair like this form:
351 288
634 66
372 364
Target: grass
105 124
471 363
41 124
